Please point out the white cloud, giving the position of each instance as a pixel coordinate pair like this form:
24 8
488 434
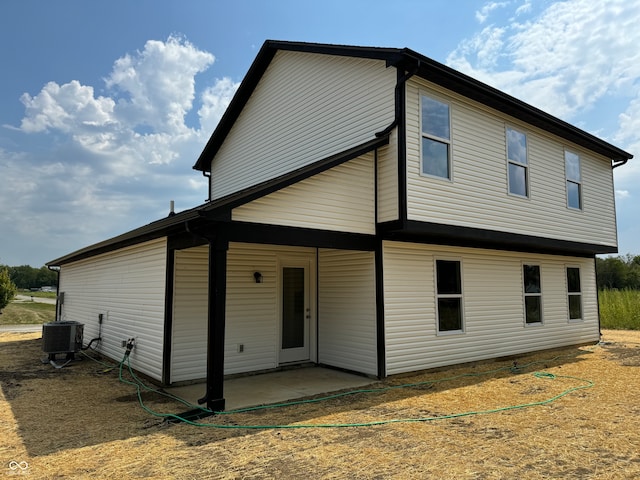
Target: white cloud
524 8
158 83
485 11
622 194
116 159
65 108
214 102
565 59
143 122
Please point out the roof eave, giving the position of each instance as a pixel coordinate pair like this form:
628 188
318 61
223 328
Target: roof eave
153 230
257 69
424 67
240 98
469 87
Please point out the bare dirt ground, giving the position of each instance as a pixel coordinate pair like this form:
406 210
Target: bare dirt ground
81 422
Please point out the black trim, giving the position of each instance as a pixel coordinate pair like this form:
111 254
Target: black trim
184 240
317 302
164 227
168 316
265 188
595 271
198 219
453 235
406 60
380 331
296 236
214 396
176 242
469 87
239 100
257 69
402 152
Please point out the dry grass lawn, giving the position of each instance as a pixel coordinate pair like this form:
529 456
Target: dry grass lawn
81 422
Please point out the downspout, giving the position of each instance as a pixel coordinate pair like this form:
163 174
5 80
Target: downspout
398 120
204 174
398 101
595 270
595 263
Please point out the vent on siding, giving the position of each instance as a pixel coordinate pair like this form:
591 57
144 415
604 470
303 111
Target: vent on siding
62 337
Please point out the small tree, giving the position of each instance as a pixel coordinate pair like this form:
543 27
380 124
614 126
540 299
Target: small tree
7 288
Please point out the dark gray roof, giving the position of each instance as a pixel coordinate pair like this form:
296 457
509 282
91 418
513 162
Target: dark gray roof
216 210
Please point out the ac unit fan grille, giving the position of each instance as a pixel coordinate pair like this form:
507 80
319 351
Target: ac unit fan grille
62 337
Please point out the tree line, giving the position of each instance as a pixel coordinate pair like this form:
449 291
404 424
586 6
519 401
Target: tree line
622 272
27 277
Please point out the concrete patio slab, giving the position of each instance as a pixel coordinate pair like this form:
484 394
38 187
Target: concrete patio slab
276 387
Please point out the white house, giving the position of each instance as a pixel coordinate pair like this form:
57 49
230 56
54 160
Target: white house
370 209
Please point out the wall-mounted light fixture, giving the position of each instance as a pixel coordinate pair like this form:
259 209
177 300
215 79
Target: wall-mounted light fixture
258 277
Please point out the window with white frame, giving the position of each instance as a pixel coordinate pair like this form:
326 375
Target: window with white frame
532 294
574 293
574 182
436 137
517 163
449 295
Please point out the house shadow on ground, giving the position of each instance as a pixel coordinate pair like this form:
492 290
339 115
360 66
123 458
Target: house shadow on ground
85 403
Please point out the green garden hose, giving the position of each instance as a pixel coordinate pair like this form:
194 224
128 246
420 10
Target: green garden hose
139 385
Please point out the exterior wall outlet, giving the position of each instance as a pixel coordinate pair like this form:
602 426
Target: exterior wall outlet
240 347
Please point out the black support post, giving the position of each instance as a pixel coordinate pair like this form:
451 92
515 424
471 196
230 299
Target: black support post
216 323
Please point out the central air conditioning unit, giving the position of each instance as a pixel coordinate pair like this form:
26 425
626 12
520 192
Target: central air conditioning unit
62 337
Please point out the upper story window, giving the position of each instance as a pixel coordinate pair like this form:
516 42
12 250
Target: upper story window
574 182
436 138
518 166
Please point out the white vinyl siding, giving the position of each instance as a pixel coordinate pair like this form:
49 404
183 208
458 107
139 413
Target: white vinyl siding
305 108
347 310
477 197
127 287
493 306
387 173
339 199
252 309
190 314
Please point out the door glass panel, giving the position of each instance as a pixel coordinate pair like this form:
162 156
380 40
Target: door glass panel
292 307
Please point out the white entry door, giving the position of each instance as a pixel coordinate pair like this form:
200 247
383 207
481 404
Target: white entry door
295 313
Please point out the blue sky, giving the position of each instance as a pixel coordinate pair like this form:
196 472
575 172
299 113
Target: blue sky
105 106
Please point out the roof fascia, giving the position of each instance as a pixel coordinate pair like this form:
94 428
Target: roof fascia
469 87
222 207
175 224
160 228
255 73
426 68
239 100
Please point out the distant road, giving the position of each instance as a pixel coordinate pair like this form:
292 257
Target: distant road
30 327
28 298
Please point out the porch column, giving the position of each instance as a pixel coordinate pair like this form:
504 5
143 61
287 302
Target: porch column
216 322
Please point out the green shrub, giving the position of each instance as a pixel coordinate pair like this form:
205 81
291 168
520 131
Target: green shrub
619 309
7 288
